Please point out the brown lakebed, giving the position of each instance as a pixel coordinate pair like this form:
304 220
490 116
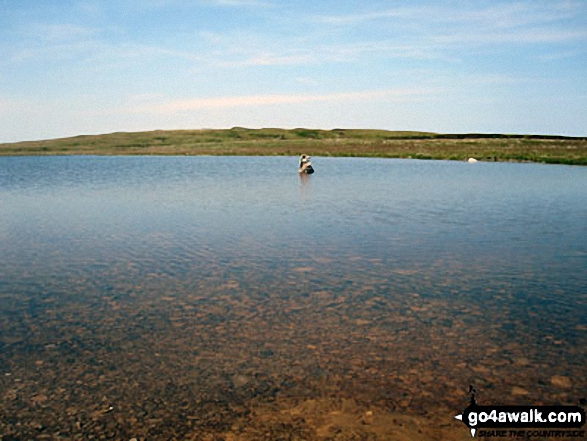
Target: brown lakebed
183 298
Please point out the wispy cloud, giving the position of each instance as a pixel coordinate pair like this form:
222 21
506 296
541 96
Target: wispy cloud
515 22
99 52
388 48
307 81
237 3
269 59
416 33
58 32
557 55
177 106
542 35
513 14
507 14
349 19
233 51
157 4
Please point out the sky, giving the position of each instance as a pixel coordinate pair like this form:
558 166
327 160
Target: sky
72 67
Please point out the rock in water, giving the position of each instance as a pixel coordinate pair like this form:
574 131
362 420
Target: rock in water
368 418
561 381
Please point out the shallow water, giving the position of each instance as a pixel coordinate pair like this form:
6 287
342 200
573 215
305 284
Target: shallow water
178 297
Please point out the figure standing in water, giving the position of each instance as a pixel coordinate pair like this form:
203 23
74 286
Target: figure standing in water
306 165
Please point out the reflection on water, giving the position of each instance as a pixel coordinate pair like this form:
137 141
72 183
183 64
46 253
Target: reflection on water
305 189
231 298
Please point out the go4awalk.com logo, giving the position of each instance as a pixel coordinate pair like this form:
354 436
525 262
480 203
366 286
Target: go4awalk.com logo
523 421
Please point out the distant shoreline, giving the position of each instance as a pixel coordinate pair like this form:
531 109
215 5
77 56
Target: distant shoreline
239 141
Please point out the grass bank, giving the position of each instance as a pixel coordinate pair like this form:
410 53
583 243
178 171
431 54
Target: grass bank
337 142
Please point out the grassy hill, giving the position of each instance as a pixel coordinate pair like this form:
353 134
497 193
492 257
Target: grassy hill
337 142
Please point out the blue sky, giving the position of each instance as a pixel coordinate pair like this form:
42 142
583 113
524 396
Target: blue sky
85 66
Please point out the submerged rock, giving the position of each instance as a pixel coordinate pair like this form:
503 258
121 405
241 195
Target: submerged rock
368 418
561 381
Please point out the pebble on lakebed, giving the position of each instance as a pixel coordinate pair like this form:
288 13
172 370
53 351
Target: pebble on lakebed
561 381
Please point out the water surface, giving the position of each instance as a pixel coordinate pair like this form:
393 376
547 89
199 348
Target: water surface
194 297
